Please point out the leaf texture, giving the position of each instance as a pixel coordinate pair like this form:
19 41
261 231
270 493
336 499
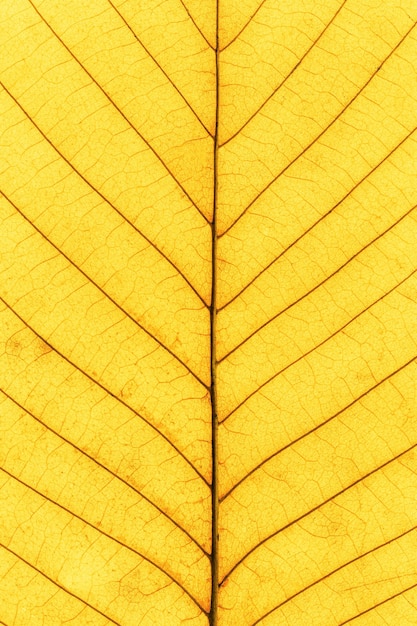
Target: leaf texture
208 312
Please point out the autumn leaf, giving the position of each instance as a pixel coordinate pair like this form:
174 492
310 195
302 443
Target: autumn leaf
208 312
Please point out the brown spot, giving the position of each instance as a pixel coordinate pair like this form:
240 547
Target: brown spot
13 346
41 348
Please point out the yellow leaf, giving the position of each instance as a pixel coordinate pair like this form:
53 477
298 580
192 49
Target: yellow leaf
208 312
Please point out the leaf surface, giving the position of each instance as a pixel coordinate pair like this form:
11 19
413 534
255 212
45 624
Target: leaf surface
208 312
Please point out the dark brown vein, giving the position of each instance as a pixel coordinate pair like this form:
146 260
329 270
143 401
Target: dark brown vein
107 296
110 393
56 584
316 508
241 31
308 293
258 195
100 531
102 196
214 594
160 67
400 593
149 145
310 229
196 25
288 248
317 346
316 582
288 75
313 430
105 468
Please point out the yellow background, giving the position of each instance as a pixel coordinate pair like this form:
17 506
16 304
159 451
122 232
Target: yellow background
124 123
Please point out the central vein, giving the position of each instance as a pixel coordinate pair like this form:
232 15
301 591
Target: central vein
213 363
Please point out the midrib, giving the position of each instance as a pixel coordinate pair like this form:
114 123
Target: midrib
213 361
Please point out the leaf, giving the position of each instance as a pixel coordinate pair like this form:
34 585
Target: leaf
208 312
